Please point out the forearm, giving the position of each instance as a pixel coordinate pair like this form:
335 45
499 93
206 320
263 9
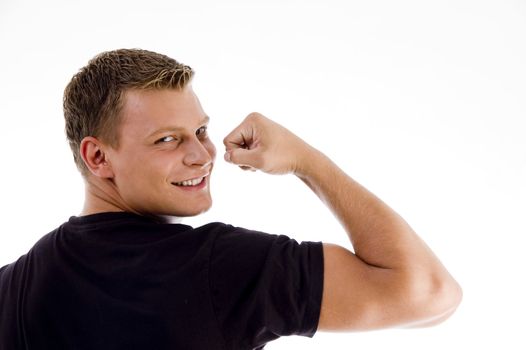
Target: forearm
380 237
397 280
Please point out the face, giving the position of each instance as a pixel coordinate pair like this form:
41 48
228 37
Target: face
164 160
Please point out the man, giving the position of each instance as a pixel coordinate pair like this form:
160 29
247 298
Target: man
120 275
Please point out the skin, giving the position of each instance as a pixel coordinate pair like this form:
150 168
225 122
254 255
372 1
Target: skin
391 280
162 141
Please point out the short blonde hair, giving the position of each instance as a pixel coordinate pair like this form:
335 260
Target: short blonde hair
94 96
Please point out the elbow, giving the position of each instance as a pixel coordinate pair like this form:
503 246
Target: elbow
435 301
446 295
450 295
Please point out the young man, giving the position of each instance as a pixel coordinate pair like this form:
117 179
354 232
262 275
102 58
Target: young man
120 275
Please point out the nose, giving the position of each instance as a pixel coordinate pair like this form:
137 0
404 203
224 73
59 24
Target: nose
198 153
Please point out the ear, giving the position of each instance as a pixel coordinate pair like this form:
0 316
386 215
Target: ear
92 152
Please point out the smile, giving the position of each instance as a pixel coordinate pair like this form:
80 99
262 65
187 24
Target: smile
191 182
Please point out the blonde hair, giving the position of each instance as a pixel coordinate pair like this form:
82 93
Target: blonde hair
94 96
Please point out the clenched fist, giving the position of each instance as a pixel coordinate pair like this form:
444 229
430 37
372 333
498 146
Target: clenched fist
258 143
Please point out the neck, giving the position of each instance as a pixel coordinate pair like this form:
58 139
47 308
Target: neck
101 196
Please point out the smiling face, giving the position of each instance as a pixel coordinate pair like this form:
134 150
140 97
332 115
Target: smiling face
163 163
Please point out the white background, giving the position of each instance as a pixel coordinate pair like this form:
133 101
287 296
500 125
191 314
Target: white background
423 102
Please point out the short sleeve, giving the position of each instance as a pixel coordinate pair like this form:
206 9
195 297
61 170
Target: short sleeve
265 286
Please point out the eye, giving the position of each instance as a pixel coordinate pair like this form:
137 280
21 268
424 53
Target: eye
166 139
202 131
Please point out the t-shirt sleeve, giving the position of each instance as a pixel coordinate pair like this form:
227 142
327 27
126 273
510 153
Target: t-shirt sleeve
265 286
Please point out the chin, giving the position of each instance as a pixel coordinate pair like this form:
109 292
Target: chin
188 212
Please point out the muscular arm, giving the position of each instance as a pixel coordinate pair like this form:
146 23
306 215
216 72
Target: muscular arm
393 278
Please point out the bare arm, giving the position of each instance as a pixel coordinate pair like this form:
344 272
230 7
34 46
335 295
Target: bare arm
393 278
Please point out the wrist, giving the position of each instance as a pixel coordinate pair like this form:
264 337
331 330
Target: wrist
308 161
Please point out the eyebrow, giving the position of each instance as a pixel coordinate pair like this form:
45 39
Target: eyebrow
205 120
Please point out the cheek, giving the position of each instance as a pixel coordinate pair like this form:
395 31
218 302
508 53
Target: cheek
139 168
129 173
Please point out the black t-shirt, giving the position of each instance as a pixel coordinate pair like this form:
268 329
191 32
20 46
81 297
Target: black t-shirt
124 281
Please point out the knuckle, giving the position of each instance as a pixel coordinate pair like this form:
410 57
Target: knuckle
254 116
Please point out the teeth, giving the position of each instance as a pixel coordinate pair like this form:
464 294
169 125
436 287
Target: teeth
192 182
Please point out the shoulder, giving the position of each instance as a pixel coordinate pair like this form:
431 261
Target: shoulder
41 247
15 276
265 284
236 244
